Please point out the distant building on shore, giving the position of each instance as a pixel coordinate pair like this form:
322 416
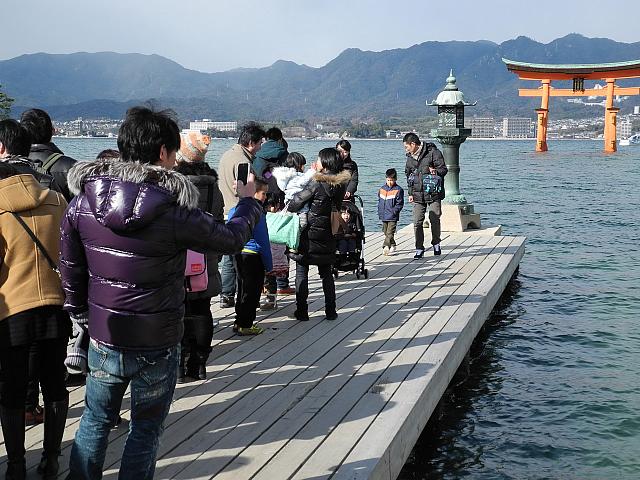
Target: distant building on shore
296 132
624 128
481 127
206 124
516 127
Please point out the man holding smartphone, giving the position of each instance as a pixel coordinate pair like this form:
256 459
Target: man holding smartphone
122 264
249 143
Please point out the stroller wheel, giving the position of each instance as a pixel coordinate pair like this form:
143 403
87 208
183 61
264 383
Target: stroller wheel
366 273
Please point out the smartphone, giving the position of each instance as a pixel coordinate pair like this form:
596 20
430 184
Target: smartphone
243 173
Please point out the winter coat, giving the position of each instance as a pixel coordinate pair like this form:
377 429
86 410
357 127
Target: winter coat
271 154
206 179
26 279
290 181
258 244
429 156
26 166
60 170
351 167
228 173
324 194
390 203
123 252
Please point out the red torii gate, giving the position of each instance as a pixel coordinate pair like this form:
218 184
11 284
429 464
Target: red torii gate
545 73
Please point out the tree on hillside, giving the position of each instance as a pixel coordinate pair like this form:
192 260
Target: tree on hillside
5 104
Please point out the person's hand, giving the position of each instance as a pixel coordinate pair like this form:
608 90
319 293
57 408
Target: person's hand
410 198
347 194
248 190
432 170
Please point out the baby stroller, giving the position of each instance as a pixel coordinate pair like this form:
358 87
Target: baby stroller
353 259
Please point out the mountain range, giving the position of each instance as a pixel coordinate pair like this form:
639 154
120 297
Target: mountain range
355 85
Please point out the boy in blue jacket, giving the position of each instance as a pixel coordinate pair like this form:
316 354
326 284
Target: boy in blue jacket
251 265
390 203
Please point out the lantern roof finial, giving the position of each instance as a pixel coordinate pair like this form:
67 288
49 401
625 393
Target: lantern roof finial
450 95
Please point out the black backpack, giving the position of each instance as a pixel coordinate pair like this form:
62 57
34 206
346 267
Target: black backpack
48 164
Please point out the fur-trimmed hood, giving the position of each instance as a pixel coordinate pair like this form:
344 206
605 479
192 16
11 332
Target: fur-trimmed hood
333 179
129 195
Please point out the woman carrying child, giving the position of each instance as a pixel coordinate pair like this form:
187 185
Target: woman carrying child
322 195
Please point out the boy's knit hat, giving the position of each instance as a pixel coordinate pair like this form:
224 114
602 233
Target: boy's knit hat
193 147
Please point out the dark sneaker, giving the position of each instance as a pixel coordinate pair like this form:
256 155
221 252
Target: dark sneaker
419 253
436 249
332 316
227 301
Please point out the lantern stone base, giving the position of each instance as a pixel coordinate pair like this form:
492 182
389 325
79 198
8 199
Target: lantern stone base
459 218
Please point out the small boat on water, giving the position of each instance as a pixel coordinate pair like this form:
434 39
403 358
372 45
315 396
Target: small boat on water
632 140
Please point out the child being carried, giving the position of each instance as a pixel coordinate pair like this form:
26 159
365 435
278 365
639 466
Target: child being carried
292 179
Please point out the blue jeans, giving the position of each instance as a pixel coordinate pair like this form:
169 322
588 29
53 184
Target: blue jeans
228 275
152 375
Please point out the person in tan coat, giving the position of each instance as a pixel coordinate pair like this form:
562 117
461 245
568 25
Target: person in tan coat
31 300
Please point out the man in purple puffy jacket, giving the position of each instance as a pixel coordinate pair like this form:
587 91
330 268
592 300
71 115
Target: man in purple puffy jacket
124 242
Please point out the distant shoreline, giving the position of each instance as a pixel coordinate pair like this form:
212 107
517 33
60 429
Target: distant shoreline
319 139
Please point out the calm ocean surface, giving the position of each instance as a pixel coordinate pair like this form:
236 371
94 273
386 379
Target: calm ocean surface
554 384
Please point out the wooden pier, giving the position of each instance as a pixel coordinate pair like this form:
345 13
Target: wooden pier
341 399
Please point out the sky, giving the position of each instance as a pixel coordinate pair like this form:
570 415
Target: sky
218 35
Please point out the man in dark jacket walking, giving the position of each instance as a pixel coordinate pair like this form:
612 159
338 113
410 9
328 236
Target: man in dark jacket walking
123 252
44 153
423 160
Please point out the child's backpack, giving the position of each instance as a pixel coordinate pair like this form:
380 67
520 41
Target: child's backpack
196 277
432 185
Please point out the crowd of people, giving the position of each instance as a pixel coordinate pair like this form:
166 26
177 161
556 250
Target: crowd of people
98 251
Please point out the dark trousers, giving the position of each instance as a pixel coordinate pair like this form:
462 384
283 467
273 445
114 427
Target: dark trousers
283 282
302 289
346 245
271 283
250 273
33 385
198 333
419 211
14 372
389 230
228 276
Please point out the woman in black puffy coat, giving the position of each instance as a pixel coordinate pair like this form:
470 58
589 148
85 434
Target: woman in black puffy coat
323 194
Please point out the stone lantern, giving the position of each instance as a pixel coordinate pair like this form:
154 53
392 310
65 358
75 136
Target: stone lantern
457 213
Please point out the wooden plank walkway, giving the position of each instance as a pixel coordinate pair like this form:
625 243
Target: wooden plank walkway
340 399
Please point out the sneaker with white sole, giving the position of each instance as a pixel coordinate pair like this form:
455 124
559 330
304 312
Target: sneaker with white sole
385 250
419 253
392 249
436 249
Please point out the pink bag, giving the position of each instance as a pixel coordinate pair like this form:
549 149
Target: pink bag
196 277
